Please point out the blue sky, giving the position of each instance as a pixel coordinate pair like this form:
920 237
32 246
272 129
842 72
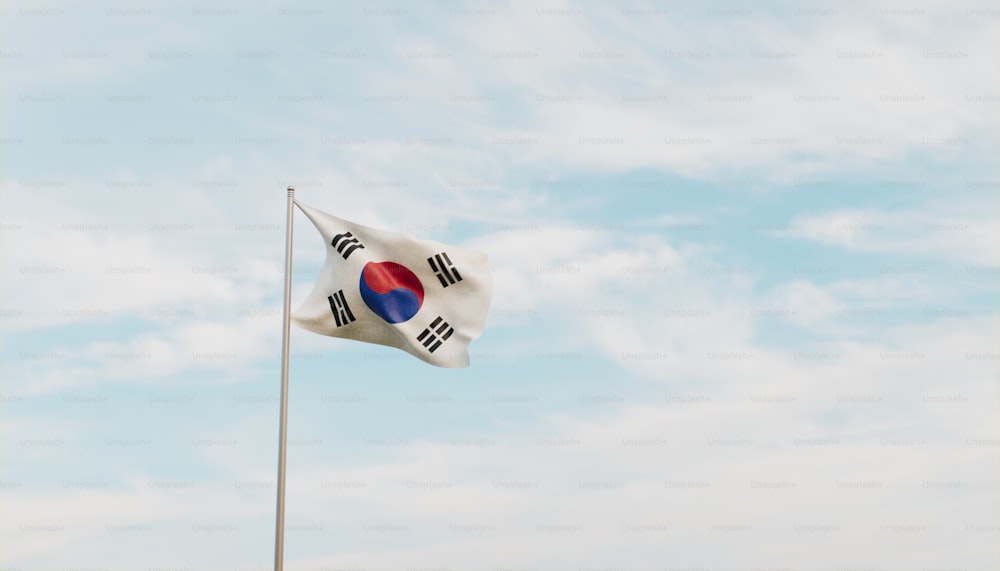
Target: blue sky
745 268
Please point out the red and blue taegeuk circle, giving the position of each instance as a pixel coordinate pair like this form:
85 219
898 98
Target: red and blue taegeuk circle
391 290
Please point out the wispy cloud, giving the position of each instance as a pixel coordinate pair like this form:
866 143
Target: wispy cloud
954 232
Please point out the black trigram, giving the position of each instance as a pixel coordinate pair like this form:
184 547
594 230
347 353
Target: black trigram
444 269
438 332
338 306
347 244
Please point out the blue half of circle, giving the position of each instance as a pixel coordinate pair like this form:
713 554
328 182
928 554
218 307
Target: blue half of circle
396 306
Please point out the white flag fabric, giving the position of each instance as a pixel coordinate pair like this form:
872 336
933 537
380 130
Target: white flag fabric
424 297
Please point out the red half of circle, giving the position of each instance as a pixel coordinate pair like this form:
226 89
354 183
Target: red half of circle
384 277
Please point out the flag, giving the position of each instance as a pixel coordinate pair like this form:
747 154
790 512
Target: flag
426 298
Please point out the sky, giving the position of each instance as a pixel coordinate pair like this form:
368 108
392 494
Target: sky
745 273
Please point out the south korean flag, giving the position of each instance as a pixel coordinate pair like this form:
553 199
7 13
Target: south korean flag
426 298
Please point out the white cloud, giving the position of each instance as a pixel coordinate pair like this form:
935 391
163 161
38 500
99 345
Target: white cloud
96 525
790 100
963 232
857 447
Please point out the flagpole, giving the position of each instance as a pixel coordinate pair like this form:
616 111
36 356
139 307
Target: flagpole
279 533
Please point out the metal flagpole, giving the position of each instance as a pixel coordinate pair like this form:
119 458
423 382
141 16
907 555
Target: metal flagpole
279 533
